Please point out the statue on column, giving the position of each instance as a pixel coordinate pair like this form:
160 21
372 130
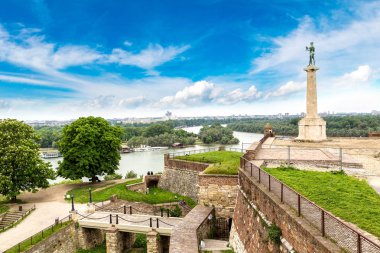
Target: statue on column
311 50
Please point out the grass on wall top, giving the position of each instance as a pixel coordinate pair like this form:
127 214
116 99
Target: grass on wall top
222 162
347 197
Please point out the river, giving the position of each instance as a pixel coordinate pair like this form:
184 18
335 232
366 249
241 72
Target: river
142 162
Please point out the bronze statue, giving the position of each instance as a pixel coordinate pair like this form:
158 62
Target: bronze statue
311 50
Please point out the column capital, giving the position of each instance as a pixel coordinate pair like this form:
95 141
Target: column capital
311 68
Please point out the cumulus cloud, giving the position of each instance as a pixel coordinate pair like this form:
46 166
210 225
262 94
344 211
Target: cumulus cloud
357 77
286 89
239 95
199 92
154 55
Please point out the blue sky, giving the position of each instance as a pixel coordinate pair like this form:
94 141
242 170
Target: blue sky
65 59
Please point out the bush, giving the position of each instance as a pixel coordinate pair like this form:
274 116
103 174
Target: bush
274 234
131 174
140 241
113 177
176 212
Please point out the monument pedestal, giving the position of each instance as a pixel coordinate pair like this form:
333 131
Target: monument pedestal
312 129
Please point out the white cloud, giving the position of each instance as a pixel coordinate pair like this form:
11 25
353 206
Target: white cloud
113 102
29 49
74 56
127 43
337 47
132 102
154 55
4 104
357 77
286 89
239 95
198 93
34 53
25 80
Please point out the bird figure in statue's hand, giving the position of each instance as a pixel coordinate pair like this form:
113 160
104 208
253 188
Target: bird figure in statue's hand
311 50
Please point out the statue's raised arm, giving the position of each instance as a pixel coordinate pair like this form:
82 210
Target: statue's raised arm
311 50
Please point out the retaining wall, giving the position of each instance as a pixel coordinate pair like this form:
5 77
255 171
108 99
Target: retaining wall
63 241
218 191
255 198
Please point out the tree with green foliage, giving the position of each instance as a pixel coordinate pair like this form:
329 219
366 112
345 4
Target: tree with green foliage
216 133
90 147
21 167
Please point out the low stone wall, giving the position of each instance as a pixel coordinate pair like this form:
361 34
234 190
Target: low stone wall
182 164
255 147
254 199
194 227
138 187
218 191
63 241
181 181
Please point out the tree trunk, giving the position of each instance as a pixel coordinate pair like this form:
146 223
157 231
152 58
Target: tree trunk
93 179
14 199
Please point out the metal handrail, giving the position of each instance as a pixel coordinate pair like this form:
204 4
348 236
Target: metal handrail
360 235
68 218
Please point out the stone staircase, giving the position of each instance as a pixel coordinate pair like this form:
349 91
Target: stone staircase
12 217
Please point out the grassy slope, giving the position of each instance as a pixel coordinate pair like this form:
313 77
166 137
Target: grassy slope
155 196
346 197
223 162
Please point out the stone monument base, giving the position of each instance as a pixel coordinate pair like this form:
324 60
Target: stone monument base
311 129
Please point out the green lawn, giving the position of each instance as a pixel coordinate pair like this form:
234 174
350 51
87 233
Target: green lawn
155 196
346 197
3 204
222 162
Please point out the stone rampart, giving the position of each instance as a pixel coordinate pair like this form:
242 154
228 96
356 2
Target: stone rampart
218 191
181 181
182 164
254 204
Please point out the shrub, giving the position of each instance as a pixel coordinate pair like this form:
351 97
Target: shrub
140 241
176 212
113 177
274 234
131 174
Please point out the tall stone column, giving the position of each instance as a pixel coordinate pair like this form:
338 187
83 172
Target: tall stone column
311 127
311 92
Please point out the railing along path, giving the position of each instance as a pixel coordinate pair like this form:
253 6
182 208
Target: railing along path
330 226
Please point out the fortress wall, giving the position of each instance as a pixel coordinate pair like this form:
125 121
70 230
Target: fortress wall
256 207
220 192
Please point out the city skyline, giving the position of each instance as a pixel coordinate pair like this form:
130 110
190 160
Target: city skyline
121 59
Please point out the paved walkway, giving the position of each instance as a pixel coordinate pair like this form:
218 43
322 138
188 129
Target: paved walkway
44 216
50 204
